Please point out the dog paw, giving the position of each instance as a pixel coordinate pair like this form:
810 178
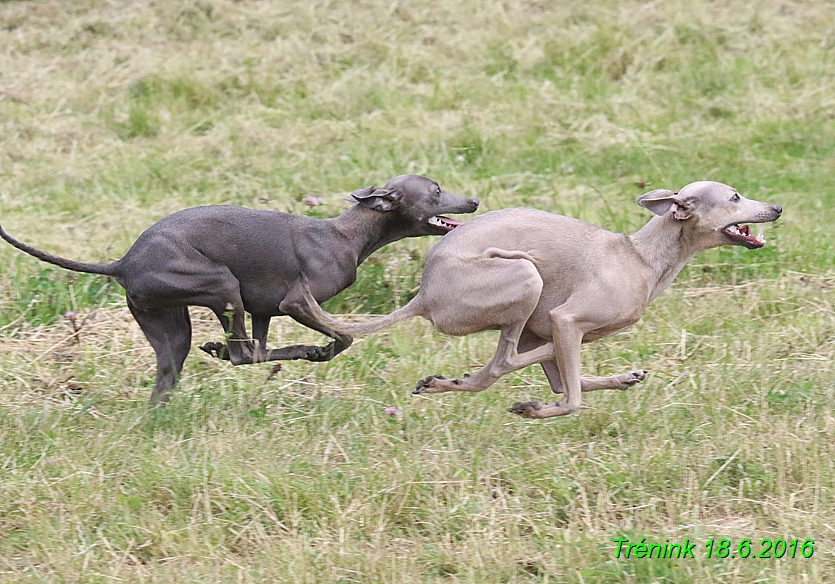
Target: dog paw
426 383
159 400
321 354
328 352
525 409
216 350
632 378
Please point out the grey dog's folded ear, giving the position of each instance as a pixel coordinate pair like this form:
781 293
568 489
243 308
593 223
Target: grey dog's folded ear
662 201
360 194
377 198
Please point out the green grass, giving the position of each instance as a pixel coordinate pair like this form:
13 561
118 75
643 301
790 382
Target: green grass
116 114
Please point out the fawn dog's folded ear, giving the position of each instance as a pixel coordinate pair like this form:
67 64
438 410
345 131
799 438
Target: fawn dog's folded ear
663 201
377 198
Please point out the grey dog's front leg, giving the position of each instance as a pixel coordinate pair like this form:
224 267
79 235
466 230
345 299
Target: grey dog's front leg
295 306
290 353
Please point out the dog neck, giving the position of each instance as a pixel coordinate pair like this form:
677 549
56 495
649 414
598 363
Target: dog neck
368 230
665 245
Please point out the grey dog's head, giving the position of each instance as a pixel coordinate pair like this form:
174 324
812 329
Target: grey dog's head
716 212
417 201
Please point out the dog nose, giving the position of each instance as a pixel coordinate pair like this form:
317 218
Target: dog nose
778 208
475 202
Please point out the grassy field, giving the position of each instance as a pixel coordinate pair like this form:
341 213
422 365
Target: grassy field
116 113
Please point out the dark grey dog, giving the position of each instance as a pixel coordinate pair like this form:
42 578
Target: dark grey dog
234 260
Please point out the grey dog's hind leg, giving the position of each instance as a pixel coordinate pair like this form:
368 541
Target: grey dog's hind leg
168 330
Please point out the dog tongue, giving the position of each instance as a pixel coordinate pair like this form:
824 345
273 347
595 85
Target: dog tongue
448 221
744 230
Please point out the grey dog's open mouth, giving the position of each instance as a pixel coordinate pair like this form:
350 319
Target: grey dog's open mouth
443 222
743 235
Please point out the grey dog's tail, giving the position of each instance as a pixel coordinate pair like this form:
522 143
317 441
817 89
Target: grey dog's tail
103 269
369 326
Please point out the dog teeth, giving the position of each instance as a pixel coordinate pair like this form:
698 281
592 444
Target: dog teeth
745 232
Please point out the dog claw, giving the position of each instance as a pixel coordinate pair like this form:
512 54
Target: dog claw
313 354
637 376
216 350
320 354
525 409
425 382
326 353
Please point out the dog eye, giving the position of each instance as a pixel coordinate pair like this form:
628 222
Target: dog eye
735 198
